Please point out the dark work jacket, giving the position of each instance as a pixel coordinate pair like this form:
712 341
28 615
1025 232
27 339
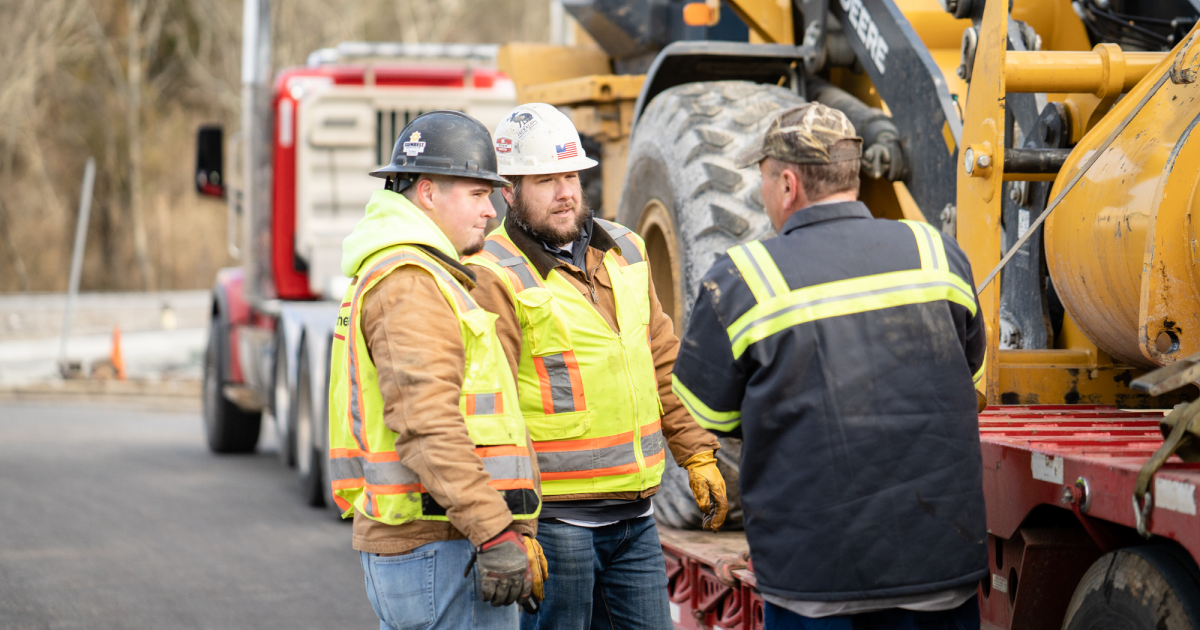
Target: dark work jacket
861 474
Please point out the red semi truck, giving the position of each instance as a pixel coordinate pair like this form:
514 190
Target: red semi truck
309 136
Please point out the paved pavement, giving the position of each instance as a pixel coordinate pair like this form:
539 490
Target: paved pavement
115 515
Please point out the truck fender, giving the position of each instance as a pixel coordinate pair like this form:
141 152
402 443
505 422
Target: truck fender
229 310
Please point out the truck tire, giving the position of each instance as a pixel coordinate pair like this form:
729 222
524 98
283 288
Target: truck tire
686 199
283 405
308 454
227 427
1155 587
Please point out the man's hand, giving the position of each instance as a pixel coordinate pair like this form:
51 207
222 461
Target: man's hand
539 569
706 482
503 569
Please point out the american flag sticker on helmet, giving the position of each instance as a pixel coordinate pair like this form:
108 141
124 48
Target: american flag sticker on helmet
568 150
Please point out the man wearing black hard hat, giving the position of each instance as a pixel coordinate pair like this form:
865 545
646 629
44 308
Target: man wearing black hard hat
428 449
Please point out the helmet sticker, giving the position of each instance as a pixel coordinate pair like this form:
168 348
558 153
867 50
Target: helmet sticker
504 145
524 121
565 151
414 146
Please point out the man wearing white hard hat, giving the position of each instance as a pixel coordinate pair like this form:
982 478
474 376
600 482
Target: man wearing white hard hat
593 350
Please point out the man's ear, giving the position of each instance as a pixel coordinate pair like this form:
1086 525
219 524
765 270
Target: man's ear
791 187
425 193
507 192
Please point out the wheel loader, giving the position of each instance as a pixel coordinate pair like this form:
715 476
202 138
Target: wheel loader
1052 139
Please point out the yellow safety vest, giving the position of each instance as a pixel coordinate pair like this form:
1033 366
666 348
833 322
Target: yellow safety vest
365 468
589 395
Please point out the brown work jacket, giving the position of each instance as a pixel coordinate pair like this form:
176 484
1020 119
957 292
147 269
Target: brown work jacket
415 342
685 438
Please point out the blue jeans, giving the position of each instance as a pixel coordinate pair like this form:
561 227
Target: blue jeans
965 617
426 589
610 578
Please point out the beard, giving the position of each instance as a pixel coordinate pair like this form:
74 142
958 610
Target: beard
539 226
472 248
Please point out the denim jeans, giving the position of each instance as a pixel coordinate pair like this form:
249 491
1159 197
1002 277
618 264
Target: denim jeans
965 617
426 589
610 578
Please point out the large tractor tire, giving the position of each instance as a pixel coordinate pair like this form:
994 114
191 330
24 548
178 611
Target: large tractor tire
1156 587
684 196
227 427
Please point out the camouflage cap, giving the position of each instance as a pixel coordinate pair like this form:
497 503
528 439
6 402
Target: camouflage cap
811 133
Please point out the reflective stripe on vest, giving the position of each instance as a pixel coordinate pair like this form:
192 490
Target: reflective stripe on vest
780 308
366 473
589 395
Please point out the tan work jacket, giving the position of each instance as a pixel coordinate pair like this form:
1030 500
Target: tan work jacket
415 343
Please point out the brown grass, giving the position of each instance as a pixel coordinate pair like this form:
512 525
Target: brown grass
129 82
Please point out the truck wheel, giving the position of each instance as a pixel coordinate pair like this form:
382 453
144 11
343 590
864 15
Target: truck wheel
1139 588
282 407
308 455
227 427
686 199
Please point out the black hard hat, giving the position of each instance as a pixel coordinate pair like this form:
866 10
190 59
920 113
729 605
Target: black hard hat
443 143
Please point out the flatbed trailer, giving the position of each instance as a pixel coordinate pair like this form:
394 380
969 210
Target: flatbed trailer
1059 485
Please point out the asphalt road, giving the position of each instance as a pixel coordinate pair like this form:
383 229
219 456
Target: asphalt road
115 515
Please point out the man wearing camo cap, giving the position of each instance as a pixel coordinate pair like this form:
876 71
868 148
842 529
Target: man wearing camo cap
843 352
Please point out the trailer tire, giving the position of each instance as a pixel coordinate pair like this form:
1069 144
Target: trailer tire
690 204
227 428
283 405
1156 587
308 456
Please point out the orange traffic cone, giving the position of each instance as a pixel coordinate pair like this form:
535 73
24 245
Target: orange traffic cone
115 357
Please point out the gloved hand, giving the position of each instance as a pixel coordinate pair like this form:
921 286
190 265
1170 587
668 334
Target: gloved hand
981 400
503 569
540 571
706 482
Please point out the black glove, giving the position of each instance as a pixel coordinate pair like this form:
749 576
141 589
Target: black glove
503 569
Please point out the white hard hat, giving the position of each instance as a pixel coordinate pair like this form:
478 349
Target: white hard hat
537 139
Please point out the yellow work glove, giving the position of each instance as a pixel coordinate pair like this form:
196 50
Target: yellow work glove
706 482
538 568
981 400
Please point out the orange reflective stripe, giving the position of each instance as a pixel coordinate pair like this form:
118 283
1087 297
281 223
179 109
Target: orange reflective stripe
341 503
650 429
382 456
469 405
344 484
627 469
585 444
511 484
561 383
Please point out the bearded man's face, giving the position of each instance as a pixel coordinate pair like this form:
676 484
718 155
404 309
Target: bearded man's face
550 207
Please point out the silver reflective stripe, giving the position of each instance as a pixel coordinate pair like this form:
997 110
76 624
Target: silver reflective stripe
389 474
652 444
839 298
574 461
560 383
369 503
508 467
355 412
933 249
343 468
629 250
516 264
762 276
485 404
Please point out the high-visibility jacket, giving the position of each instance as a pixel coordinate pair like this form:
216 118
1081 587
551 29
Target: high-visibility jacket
589 395
364 466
